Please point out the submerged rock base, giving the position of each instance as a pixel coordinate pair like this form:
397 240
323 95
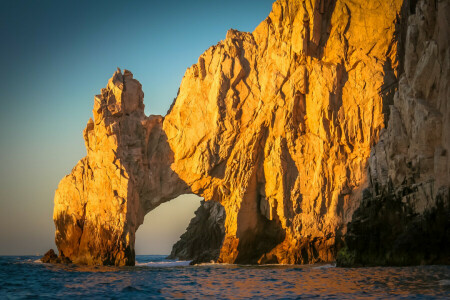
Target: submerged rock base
52 258
386 230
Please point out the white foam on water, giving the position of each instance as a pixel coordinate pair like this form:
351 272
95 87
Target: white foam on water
325 266
206 264
164 264
444 282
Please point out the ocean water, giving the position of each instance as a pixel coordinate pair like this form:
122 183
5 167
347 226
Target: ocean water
154 277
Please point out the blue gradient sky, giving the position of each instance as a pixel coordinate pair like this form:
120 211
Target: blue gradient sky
55 56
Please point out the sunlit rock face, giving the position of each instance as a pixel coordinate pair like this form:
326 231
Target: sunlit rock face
275 126
126 173
407 208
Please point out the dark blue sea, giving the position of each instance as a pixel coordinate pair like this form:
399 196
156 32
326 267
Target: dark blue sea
154 277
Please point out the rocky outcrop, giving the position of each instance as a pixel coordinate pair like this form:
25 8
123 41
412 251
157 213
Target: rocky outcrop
406 209
276 127
126 173
204 235
50 257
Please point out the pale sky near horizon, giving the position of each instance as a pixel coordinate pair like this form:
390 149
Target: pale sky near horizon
55 56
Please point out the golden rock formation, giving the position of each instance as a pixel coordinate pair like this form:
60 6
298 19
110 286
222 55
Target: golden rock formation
278 129
126 174
276 126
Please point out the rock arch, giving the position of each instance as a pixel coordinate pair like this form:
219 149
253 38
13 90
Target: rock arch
288 174
126 174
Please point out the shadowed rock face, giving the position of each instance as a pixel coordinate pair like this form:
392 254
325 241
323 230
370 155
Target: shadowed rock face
406 210
204 236
275 126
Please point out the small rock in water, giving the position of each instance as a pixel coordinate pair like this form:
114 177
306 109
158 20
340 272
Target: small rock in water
52 258
49 257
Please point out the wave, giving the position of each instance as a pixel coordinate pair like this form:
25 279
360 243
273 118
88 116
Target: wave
444 282
325 266
164 264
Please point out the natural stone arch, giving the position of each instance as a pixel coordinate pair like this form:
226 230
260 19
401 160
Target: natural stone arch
126 173
279 138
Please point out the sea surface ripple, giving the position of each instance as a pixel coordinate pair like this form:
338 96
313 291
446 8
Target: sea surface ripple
154 277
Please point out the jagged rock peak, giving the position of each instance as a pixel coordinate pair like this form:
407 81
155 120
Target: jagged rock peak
123 94
100 205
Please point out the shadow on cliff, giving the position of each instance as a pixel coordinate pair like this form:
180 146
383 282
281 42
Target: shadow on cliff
204 236
202 240
321 27
164 181
262 234
387 228
392 75
258 234
387 231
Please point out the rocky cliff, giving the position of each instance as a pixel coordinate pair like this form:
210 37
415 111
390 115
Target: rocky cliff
126 173
405 214
283 129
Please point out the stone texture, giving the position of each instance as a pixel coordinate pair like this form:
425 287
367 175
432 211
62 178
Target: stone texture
52 258
100 205
204 235
407 207
49 257
276 127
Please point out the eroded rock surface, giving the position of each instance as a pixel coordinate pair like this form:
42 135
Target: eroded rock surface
275 126
406 210
204 236
126 174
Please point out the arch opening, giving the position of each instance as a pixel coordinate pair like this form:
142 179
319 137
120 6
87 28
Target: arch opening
164 225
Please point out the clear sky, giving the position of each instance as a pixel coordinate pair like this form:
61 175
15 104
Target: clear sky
55 56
